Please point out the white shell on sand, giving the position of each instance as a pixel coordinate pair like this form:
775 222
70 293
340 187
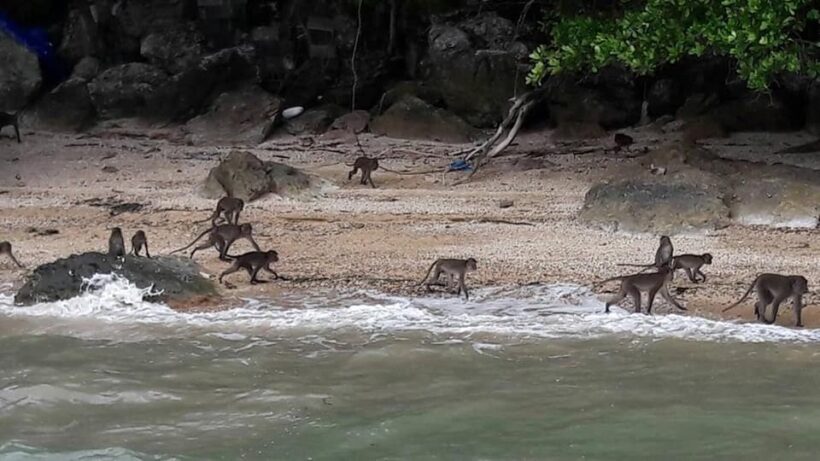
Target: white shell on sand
291 112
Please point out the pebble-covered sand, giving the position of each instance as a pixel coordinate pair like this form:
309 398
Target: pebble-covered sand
384 238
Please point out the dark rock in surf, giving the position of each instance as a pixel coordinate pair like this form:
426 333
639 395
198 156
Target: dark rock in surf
174 279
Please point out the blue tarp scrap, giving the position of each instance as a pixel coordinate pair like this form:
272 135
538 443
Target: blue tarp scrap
36 40
460 165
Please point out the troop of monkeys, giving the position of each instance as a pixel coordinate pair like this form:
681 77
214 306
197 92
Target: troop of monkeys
772 289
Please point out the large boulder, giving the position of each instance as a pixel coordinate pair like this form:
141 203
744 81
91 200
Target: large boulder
756 112
67 107
129 90
412 118
610 100
777 200
245 176
172 279
80 37
664 98
244 116
313 121
678 202
20 74
475 65
173 50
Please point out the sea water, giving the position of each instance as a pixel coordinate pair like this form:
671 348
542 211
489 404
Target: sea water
528 373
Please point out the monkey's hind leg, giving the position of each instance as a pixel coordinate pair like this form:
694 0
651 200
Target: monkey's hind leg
615 299
370 179
635 294
147 254
352 173
229 271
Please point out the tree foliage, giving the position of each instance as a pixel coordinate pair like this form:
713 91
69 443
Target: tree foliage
763 38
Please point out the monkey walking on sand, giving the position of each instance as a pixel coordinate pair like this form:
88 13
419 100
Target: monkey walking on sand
368 166
774 289
222 237
691 264
229 209
253 262
5 249
452 268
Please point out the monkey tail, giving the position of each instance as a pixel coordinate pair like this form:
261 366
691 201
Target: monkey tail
195 240
745 295
635 265
611 279
428 273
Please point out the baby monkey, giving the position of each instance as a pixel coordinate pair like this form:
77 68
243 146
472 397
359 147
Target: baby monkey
367 165
663 255
138 242
636 284
452 268
692 264
5 249
7 119
253 262
116 244
229 208
774 289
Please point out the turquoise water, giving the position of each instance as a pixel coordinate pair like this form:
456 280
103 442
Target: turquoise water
278 380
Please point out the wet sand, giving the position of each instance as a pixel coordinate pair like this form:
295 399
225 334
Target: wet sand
384 238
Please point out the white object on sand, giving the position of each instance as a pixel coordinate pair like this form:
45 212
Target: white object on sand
291 112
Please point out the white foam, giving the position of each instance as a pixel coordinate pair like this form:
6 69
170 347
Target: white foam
556 311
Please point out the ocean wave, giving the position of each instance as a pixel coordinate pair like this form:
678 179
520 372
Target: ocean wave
548 311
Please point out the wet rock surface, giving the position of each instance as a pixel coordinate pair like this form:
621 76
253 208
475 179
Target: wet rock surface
173 279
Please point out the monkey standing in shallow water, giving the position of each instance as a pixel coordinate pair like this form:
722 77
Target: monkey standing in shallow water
636 284
116 244
222 237
774 289
7 119
138 242
368 166
253 262
5 249
452 268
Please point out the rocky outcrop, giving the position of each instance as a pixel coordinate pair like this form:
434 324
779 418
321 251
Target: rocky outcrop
666 205
172 279
80 35
173 50
664 98
412 118
245 116
20 74
67 107
245 176
474 64
129 90
610 100
313 121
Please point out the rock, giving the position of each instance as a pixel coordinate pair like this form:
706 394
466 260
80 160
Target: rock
313 121
80 37
86 69
20 74
173 50
245 176
412 118
572 131
505 203
757 113
129 90
813 108
110 169
686 200
67 107
611 101
427 93
704 127
352 122
697 104
475 74
777 199
245 116
664 97
173 279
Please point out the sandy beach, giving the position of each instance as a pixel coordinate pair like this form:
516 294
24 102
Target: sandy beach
384 238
